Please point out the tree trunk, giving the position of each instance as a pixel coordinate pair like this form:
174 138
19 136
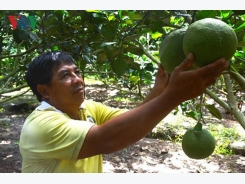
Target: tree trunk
231 106
232 102
238 78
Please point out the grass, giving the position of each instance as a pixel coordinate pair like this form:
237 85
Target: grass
5 121
2 109
224 137
16 142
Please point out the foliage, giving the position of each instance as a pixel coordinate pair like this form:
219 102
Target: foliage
119 47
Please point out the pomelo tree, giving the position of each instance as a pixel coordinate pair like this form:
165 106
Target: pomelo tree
120 47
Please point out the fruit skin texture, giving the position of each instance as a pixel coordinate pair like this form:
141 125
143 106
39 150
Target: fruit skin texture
198 144
171 50
209 39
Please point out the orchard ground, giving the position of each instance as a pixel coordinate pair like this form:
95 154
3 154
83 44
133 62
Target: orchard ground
159 152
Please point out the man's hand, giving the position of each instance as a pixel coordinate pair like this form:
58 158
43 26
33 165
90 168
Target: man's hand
161 82
162 79
187 84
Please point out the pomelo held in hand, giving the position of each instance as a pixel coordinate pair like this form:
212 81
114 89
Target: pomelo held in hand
171 50
198 143
209 39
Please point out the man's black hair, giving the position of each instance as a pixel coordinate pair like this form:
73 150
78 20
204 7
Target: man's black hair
39 71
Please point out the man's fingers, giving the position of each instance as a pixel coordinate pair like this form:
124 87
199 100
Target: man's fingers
214 68
186 64
212 71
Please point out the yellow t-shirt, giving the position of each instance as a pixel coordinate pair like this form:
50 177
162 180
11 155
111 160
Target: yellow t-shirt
50 141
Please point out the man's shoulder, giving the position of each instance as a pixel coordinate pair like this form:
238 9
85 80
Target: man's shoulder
44 111
44 106
90 103
93 106
45 116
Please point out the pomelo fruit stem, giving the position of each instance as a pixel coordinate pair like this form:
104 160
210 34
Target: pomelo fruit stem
198 126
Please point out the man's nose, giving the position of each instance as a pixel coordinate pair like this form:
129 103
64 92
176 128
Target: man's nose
77 78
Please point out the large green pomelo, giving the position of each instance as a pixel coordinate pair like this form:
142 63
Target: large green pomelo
209 39
171 51
198 144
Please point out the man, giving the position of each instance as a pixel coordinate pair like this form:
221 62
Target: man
67 133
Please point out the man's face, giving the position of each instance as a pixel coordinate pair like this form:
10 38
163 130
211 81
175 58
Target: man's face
66 88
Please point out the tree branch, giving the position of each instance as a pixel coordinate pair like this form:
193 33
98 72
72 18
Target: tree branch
238 78
13 89
12 97
147 53
9 75
217 99
232 102
21 54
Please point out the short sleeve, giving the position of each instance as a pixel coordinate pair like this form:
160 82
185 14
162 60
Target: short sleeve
100 112
53 135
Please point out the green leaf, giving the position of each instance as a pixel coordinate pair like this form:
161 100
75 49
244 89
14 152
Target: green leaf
156 26
134 50
119 66
134 79
108 31
239 12
129 22
206 14
94 11
16 36
241 44
240 28
225 13
198 126
24 35
156 35
214 111
192 114
111 17
113 53
102 57
131 63
135 16
198 106
55 48
82 63
76 26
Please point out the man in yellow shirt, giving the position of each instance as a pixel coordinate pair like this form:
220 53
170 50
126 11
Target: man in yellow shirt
54 142
67 133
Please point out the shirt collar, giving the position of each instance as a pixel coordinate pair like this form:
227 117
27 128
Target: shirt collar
45 105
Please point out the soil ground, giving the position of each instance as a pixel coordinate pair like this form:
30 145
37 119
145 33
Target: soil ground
145 156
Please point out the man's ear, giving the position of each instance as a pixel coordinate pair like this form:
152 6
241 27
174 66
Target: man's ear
42 89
